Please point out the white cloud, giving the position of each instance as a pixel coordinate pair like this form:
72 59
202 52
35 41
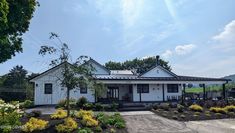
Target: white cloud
167 54
226 39
179 50
228 34
184 49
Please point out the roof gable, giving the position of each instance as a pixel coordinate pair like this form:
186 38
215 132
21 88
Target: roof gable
158 71
99 69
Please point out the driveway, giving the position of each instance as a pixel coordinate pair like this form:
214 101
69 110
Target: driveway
147 122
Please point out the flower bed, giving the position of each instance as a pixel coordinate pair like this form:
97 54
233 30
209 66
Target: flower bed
80 122
194 112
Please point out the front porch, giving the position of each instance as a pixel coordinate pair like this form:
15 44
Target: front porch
141 93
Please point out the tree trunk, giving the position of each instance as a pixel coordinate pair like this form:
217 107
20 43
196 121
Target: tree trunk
68 101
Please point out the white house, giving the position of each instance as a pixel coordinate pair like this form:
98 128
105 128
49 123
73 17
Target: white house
155 85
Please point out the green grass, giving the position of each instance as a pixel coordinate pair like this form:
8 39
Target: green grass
199 89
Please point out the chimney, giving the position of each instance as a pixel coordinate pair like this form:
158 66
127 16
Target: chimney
157 60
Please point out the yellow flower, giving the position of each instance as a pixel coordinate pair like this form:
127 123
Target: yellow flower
68 126
59 114
34 124
89 121
83 113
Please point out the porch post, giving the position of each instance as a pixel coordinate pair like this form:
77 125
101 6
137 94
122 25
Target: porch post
204 91
183 94
163 93
224 93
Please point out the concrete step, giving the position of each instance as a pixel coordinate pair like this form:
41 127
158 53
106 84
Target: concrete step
132 109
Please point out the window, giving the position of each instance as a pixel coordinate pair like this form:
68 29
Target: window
172 88
83 89
143 88
48 88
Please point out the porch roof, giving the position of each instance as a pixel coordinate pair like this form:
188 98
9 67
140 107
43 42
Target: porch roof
178 78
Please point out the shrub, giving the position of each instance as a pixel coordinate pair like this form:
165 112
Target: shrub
103 120
208 114
9 116
88 121
231 113
63 103
59 114
180 108
98 129
114 106
99 107
88 106
85 130
174 117
218 114
112 130
34 124
115 120
182 116
230 108
155 106
35 113
196 107
218 110
99 115
81 113
27 104
120 125
175 112
81 102
68 126
197 113
164 106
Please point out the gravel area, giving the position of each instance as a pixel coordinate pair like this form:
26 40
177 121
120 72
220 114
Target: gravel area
145 122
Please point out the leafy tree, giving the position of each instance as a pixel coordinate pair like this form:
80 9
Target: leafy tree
15 16
141 65
16 78
78 74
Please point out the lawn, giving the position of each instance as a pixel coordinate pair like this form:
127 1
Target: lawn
200 90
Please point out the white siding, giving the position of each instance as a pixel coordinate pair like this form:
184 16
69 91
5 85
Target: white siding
99 69
157 72
155 94
173 94
58 92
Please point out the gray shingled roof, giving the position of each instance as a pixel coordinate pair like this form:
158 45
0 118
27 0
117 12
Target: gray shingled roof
135 77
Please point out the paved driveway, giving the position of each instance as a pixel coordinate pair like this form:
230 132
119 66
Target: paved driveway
147 122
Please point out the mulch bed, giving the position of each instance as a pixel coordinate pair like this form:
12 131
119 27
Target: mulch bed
53 123
189 115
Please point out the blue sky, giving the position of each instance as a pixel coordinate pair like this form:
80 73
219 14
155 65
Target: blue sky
197 37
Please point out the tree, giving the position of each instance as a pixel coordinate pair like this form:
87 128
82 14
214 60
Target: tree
16 78
74 75
141 65
16 84
15 16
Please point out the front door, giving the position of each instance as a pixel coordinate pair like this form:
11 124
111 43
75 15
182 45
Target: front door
113 93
